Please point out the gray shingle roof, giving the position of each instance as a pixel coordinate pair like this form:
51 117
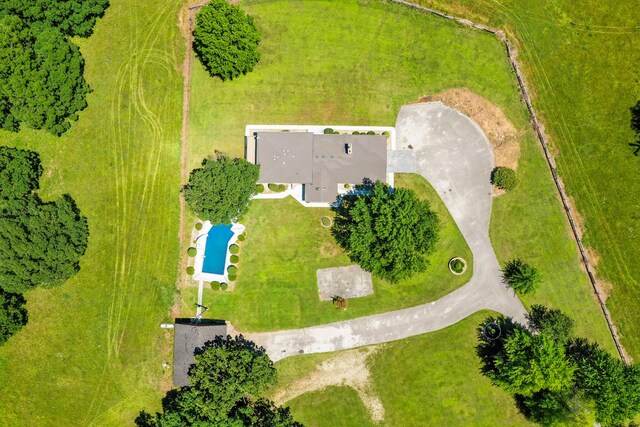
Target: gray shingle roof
187 337
284 157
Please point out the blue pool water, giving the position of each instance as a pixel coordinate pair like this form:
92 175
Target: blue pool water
215 252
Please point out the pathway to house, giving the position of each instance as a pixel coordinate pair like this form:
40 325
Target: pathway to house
454 155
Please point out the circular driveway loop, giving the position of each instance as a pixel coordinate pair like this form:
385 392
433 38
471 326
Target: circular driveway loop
454 155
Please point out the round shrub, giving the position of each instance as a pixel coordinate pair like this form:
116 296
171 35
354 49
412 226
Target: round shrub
503 178
371 132
234 259
386 133
232 277
347 186
457 266
225 40
234 249
192 251
277 188
190 271
242 237
198 226
355 132
282 187
223 286
232 270
259 188
215 286
328 131
523 278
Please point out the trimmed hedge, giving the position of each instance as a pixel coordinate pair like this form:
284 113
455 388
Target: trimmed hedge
190 271
355 132
232 277
198 226
386 133
223 286
457 266
232 270
192 252
277 188
234 259
371 132
503 178
259 188
328 131
215 286
234 249
242 237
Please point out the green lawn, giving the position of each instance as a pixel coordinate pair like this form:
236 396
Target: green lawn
92 351
382 56
286 244
581 58
431 379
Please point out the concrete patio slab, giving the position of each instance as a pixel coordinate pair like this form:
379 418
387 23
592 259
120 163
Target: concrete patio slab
346 282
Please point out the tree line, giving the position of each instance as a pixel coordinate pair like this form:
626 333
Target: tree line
555 377
42 82
41 243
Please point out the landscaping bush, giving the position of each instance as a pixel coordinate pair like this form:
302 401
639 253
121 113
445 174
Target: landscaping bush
277 188
260 188
198 226
282 187
190 271
232 277
457 266
223 286
355 132
234 249
225 40
235 259
371 132
328 131
192 251
242 237
215 286
232 270
386 133
503 178
347 186
522 277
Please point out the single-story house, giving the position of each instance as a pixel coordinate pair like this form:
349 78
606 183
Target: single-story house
321 163
190 334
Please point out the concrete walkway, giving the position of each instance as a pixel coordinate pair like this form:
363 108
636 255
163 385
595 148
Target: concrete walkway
453 154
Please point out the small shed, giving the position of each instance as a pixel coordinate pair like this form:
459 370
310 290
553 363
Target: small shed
190 334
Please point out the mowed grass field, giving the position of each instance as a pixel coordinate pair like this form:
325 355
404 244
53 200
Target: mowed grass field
92 352
431 379
286 243
581 59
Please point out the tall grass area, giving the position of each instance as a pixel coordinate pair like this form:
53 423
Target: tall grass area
430 379
353 62
92 352
581 58
286 244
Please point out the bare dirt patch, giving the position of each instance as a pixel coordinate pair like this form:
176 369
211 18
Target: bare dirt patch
347 368
502 134
328 250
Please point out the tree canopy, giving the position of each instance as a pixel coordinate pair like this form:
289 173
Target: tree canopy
225 40
20 171
227 380
13 315
556 378
41 77
40 243
221 189
72 17
522 277
389 232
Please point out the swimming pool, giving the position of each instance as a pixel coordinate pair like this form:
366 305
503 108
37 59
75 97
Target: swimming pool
215 252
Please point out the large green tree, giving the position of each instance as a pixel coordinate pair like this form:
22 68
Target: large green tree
20 172
389 232
227 380
522 277
13 314
40 243
551 322
41 77
72 17
613 386
221 189
225 40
